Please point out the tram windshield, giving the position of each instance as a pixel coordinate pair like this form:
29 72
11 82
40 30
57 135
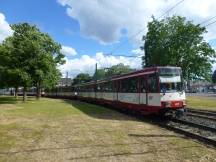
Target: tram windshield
170 80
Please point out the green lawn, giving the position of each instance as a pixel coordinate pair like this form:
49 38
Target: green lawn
198 102
64 130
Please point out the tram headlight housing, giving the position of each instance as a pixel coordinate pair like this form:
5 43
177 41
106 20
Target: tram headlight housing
168 104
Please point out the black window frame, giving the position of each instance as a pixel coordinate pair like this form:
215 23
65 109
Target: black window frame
126 85
150 81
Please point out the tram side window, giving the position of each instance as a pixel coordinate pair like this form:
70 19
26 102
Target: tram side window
107 87
142 84
115 86
92 88
152 83
129 85
100 87
85 88
81 89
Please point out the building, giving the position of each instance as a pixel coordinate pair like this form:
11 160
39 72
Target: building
64 82
201 86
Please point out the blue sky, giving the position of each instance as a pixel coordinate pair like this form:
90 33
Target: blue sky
88 29
51 17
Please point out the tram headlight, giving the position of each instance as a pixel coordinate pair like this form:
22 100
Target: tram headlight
184 102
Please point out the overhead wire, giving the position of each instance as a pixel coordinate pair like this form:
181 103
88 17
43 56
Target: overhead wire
178 3
210 23
205 21
140 31
123 55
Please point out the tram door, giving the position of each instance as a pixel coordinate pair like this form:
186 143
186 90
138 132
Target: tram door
153 95
143 90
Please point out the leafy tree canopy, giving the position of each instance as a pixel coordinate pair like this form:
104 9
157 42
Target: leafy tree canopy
118 69
31 57
102 74
176 42
214 77
81 78
112 71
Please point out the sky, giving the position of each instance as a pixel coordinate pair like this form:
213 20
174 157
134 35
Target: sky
88 30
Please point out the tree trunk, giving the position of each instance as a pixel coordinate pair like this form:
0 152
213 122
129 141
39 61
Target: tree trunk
38 91
16 92
24 94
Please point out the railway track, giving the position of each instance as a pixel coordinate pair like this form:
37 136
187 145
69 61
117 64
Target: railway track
202 116
198 124
199 127
202 112
200 132
195 127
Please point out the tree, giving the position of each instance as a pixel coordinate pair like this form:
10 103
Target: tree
3 58
214 77
14 66
101 74
44 63
34 57
118 69
82 78
176 42
112 71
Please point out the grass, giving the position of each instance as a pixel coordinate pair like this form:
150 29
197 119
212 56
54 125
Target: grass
199 102
63 130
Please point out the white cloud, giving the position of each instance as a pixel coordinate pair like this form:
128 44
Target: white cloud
86 64
137 52
68 51
5 29
103 20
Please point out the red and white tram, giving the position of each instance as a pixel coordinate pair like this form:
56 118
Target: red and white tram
153 90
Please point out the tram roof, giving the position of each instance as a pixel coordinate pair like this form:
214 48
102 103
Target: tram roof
148 70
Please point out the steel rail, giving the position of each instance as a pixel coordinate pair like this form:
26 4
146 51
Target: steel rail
201 116
202 112
196 125
203 139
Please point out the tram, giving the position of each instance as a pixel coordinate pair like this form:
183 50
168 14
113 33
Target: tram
153 90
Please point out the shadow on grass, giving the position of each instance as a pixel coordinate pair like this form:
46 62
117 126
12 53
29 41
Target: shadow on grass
98 111
152 135
98 147
107 113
